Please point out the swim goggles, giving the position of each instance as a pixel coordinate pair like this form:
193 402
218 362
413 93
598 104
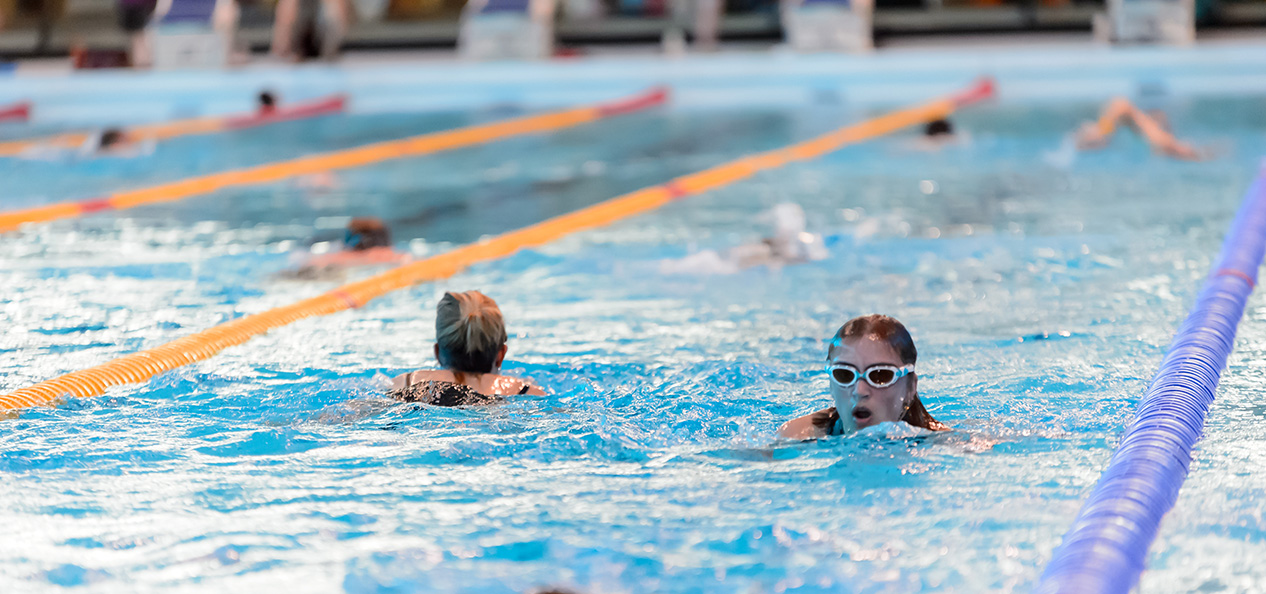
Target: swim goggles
878 376
352 239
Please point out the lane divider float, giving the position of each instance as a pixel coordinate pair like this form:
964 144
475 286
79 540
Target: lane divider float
17 112
139 367
343 159
209 125
1105 549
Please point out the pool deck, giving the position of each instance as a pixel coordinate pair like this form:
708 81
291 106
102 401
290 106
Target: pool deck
1029 68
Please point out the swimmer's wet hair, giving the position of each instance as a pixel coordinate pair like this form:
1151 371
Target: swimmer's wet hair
365 233
111 137
889 330
470 332
882 327
938 128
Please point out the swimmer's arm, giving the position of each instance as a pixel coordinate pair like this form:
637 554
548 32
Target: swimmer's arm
378 255
1116 109
329 260
1161 140
1095 135
802 428
1165 143
386 255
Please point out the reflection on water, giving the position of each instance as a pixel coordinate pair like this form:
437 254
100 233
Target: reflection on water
1041 300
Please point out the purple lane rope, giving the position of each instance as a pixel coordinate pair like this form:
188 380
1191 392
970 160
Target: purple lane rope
1104 550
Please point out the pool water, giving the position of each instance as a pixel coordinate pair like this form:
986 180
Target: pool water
1041 287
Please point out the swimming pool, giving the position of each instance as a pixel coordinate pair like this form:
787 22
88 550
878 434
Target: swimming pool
1040 289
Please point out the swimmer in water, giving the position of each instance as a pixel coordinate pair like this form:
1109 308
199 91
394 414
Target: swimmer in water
366 242
116 142
1095 135
470 344
790 244
266 103
109 142
939 134
870 365
109 139
939 129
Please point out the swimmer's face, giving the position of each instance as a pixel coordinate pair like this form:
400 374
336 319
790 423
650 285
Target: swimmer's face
863 405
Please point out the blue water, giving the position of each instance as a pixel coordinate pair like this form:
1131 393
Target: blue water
1041 291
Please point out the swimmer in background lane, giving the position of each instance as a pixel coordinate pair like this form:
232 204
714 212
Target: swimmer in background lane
366 242
940 134
109 142
1095 135
870 364
266 103
470 344
790 244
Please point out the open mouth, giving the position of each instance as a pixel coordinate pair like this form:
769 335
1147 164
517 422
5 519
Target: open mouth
861 414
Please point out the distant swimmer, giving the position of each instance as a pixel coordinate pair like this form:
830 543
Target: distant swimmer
941 128
470 345
266 103
366 242
870 366
109 142
110 139
1095 135
790 244
939 134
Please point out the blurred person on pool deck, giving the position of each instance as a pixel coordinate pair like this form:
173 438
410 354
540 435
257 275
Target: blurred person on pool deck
470 344
309 29
134 17
1095 135
870 364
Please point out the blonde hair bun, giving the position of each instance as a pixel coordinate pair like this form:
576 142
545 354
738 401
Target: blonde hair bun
470 331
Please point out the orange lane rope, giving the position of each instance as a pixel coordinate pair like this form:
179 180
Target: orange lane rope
139 367
344 159
167 130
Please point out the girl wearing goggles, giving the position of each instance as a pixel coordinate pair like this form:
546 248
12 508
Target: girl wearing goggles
870 366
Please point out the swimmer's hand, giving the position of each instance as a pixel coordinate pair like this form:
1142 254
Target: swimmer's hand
1181 150
1090 137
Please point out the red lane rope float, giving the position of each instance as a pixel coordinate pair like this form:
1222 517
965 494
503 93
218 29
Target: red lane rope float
18 112
209 125
344 159
1238 274
335 104
632 104
146 364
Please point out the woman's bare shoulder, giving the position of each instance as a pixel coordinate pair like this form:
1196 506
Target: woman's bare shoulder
421 375
508 385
